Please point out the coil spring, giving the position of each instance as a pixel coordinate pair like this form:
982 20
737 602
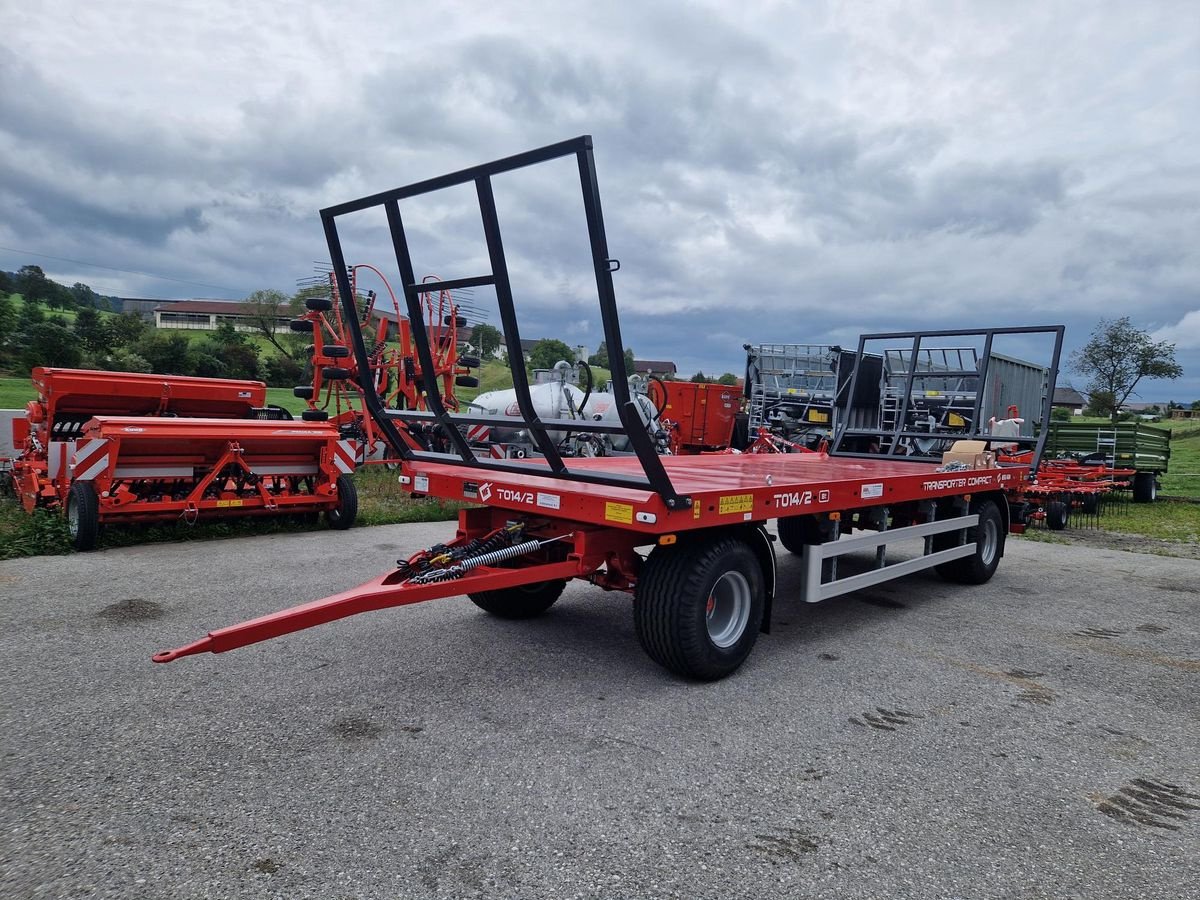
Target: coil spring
484 559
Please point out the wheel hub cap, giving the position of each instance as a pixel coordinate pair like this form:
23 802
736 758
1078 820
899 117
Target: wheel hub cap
728 609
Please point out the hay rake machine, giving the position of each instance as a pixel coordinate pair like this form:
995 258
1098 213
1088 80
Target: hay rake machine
110 448
1068 492
394 373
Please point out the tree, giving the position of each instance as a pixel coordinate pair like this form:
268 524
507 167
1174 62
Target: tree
32 284
7 285
50 344
92 330
83 295
630 363
600 357
547 352
264 309
728 379
168 353
487 339
1117 357
699 378
126 329
1196 404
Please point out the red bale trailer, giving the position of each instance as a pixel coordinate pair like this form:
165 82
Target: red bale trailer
685 536
108 448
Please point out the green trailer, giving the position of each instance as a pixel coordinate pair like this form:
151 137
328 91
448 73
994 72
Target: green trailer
1126 445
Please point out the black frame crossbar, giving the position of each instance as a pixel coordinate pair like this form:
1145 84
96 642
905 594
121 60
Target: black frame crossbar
975 432
654 477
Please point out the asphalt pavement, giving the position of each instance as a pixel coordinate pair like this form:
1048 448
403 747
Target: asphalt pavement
1038 736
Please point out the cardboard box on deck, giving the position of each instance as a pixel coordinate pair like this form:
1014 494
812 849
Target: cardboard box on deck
973 453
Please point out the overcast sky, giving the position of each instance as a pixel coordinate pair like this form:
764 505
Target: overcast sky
769 171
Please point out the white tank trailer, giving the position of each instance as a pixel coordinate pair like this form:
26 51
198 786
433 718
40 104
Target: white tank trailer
559 399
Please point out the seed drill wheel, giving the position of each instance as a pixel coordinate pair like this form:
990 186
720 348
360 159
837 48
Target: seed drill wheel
83 515
699 605
343 515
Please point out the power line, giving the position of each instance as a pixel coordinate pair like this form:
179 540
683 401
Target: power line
81 262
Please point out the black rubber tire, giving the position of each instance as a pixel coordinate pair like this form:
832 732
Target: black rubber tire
671 605
305 326
469 362
303 391
467 381
796 531
1058 514
978 567
343 515
1145 487
335 351
457 321
318 304
83 515
335 373
314 415
522 602
1089 503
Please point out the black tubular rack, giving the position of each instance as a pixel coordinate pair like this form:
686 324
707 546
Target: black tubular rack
654 476
916 342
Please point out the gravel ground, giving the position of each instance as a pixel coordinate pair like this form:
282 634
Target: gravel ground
1035 737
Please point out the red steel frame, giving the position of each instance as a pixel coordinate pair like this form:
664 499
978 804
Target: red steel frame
604 525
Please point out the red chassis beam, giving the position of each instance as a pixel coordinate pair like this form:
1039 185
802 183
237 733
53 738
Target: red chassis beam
379 593
590 548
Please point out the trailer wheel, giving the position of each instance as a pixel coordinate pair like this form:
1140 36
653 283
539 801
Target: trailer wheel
318 304
83 515
343 515
467 381
314 415
303 391
797 531
699 606
1057 515
988 538
1145 487
522 602
301 325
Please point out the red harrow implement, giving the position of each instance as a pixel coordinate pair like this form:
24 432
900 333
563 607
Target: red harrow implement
109 448
685 536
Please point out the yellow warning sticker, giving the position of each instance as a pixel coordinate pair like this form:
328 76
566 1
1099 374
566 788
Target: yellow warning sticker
695 509
221 503
736 503
619 512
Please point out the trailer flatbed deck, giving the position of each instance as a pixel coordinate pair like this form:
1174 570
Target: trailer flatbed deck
723 488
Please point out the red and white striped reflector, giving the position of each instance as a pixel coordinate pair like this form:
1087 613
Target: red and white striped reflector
345 456
478 433
90 459
497 451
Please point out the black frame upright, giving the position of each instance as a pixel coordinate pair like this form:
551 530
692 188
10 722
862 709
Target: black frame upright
892 436
654 475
